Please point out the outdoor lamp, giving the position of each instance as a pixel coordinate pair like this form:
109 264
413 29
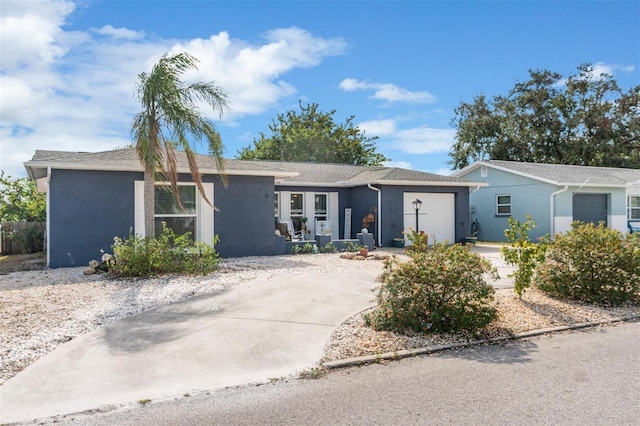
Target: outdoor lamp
416 205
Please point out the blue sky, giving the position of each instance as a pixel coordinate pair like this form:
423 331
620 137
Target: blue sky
68 68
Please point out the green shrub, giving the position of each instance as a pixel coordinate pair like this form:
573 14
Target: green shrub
350 246
328 248
30 237
167 253
523 254
592 264
440 290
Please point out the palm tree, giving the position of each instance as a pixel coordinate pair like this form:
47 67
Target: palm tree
169 121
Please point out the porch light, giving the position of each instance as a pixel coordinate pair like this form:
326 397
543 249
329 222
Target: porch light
416 205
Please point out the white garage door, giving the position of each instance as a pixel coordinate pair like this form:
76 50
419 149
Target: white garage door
436 217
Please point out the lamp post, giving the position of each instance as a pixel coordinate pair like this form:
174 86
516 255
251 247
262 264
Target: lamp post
416 205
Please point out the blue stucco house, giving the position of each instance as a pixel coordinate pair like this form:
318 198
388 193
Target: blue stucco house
554 195
92 197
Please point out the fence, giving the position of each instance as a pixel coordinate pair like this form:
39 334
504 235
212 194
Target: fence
21 237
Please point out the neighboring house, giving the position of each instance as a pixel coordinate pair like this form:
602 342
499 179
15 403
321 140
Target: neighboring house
93 197
554 195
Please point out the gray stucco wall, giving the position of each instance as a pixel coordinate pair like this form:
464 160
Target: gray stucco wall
244 222
87 209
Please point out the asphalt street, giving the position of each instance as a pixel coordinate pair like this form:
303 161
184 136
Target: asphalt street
585 377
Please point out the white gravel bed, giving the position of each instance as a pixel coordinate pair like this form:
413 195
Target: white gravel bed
42 309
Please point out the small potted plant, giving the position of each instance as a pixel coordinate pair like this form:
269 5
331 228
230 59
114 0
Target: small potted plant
398 240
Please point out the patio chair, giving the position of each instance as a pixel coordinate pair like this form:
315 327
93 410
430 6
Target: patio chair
292 233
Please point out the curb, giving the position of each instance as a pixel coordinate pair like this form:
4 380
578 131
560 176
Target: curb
428 350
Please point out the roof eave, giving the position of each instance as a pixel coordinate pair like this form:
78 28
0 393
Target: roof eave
32 165
426 183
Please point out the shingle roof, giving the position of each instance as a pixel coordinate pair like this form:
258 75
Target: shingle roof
127 159
294 173
561 174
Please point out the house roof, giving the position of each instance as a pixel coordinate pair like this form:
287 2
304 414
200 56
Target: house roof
560 174
127 160
330 174
285 173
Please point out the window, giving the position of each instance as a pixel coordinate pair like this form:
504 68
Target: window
503 205
483 171
196 216
167 209
297 204
276 202
633 207
320 212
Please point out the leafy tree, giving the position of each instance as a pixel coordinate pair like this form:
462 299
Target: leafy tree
313 136
585 119
20 200
170 116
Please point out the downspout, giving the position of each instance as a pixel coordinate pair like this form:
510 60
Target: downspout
551 209
379 211
48 218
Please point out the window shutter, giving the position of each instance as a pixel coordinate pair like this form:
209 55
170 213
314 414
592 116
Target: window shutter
138 208
285 205
205 215
334 214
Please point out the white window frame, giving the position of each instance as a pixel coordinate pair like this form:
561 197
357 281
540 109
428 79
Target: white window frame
193 215
498 205
631 209
324 215
276 204
204 212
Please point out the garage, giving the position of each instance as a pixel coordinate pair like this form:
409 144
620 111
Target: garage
436 215
590 208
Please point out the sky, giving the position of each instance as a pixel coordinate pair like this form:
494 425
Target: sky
68 69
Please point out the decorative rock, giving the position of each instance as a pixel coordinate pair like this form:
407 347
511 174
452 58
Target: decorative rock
358 257
89 270
347 255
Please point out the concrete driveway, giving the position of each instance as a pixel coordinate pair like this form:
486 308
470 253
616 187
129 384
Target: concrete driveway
251 333
248 334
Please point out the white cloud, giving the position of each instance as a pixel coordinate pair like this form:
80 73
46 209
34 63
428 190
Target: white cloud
423 140
120 33
378 127
600 68
251 73
67 90
387 91
400 164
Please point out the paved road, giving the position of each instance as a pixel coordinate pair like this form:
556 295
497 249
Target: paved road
587 377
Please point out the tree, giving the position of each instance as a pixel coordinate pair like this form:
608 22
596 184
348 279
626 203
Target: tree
313 136
170 116
20 200
585 119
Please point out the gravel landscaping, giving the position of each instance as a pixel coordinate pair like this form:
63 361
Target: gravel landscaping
42 309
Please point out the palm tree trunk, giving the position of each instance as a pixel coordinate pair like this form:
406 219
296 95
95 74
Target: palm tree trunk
149 204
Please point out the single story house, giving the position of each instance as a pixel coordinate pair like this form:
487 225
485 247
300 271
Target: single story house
93 197
554 195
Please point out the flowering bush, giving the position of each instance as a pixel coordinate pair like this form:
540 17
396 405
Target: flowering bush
439 290
419 242
592 264
167 253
